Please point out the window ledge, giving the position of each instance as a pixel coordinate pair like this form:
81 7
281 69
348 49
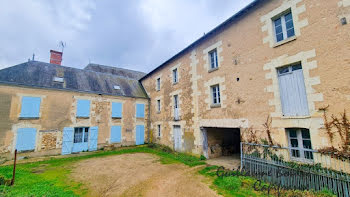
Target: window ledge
117 118
80 117
290 39
28 118
215 105
174 83
296 117
158 112
213 69
158 90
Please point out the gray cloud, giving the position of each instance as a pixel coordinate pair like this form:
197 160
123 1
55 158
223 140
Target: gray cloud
138 34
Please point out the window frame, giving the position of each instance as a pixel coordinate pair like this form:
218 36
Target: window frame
215 95
84 137
213 61
284 32
159 134
176 101
300 139
175 76
158 106
158 84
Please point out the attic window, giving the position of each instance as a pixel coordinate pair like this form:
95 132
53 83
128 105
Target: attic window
58 79
116 87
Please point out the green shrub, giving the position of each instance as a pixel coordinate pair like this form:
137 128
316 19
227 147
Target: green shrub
202 157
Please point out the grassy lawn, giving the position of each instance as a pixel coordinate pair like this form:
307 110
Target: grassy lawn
242 186
51 177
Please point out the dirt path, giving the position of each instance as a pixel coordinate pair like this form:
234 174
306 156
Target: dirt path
139 174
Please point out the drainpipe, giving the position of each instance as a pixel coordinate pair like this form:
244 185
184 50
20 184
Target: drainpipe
149 120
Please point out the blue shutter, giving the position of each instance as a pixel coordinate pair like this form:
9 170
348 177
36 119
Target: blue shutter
293 94
83 108
116 134
26 138
30 107
117 110
67 142
140 110
140 134
93 135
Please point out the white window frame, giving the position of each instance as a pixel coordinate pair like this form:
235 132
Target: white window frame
215 59
158 106
300 147
176 101
159 129
215 90
175 76
283 24
158 84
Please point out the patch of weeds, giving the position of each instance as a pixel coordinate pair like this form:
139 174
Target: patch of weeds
202 157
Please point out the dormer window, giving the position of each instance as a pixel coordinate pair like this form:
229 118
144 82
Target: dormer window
58 79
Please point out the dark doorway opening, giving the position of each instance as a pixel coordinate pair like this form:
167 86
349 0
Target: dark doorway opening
223 142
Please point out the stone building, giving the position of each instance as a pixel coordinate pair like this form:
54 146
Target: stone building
278 62
51 109
266 73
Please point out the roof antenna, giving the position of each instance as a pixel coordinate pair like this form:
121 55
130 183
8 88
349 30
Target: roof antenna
33 57
62 45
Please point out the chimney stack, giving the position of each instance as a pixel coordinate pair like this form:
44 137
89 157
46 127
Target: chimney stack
56 57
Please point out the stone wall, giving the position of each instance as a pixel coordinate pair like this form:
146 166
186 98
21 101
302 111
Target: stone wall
248 59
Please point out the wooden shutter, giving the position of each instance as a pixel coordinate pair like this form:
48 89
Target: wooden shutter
83 108
116 134
117 110
293 93
30 107
140 134
26 138
67 142
93 136
140 110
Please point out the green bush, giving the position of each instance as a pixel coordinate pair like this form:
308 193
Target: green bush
202 157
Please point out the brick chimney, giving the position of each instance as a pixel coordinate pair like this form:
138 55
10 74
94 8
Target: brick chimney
56 57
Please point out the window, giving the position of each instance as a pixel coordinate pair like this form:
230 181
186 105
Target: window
158 105
116 134
83 108
300 143
292 91
26 138
140 110
216 94
213 57
176 107
30 107
117 110
159 131
175 77
81 134
284 27
158 84
176 101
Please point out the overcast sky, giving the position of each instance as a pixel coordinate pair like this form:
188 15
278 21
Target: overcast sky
134 34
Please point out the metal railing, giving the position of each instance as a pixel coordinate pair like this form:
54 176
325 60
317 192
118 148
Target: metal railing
278 166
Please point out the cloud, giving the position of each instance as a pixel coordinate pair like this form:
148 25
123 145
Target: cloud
139 34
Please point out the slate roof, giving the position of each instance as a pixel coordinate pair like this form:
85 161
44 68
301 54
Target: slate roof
40 75
115 71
